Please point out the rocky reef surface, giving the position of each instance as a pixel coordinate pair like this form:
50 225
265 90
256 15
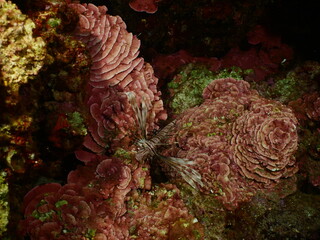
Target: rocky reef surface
105 136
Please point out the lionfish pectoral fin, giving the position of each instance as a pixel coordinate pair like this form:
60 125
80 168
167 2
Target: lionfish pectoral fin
140 114
183 167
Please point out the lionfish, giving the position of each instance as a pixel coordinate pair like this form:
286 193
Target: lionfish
147 148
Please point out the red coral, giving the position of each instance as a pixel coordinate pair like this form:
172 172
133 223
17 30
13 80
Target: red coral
239 141
227 86
264 57
161 214
116 69
307 107
70 212
263 142
148 6
166 65
95 203
92 202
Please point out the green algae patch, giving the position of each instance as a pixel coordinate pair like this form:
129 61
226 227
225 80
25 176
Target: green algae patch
4 202
187 87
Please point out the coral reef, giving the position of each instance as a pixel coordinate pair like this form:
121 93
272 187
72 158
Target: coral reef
90 207
168 65
161 214
101 205
187 86
116 69
96 164
292 85
21 58
240 142
93 203
42 118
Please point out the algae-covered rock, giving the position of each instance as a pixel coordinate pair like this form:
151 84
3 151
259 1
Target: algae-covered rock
4 204
300 80
21 55
186 87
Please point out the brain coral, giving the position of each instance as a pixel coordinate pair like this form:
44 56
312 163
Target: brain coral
239 141
116 69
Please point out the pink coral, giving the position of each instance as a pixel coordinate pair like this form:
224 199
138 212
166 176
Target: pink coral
116 69
92 203
98 203
161 214
264 140
148 6
70 212
239 141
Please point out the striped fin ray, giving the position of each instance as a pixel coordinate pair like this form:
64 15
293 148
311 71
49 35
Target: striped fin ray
182 166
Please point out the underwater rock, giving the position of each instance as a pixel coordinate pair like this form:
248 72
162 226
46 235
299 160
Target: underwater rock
21 59
240 142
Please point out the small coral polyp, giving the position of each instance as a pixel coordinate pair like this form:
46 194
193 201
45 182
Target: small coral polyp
239 141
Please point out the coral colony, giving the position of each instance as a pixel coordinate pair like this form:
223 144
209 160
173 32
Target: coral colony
148 166
239 142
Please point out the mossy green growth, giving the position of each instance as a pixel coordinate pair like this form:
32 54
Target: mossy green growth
297 82
4 202
234 72
187 87
90 234
77 123
121 153
54 22
288 88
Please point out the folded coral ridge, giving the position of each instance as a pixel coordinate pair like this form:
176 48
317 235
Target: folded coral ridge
240 142
116 69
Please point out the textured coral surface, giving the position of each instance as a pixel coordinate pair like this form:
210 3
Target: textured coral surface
116 69
72 137
239 141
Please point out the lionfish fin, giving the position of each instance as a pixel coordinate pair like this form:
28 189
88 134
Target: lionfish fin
141 114
183 167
